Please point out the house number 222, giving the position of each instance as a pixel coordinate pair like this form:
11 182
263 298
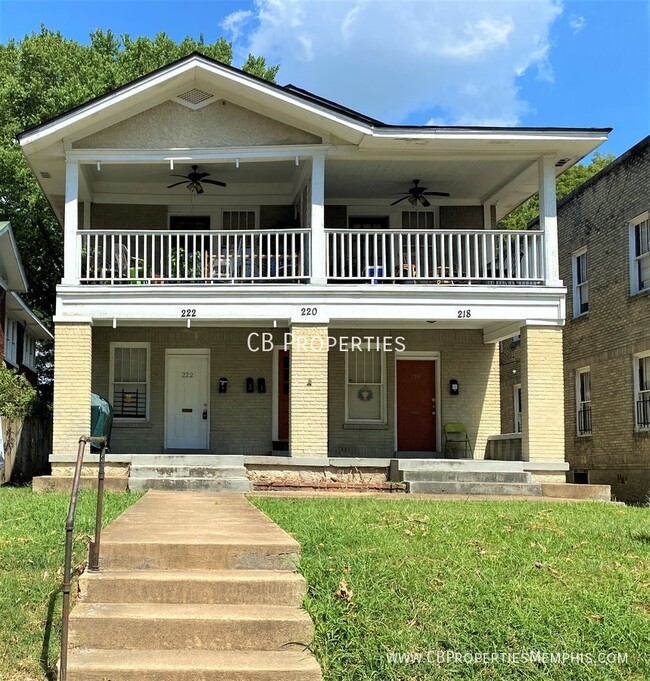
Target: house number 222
188 312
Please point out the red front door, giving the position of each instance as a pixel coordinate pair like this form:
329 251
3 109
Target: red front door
416 406
283 395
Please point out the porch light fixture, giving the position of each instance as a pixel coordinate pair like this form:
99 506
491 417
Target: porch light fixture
99 165
237 163
171 164
297 161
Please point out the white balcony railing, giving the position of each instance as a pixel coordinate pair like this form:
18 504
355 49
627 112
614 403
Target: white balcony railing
438 256
146 256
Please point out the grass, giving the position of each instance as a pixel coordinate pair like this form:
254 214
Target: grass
455 578
31 570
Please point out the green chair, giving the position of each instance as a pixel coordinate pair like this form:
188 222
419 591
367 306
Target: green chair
456 438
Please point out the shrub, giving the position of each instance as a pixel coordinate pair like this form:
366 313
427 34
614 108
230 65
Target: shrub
17 395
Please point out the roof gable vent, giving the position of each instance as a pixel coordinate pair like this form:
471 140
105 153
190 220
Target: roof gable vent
195 98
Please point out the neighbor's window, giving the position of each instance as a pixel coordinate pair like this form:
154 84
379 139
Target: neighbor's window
640 253
580 283
365 371
642 390
517 408
29 351
11 340
130 380
583 400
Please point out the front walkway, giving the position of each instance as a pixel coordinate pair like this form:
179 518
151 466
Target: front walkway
193 585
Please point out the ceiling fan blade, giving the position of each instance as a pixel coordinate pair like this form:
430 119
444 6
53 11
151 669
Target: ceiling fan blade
175 175
219 184
424 202
177 183
436 193
399 200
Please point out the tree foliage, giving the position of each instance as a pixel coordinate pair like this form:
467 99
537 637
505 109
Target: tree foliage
44 75
17 396
564 185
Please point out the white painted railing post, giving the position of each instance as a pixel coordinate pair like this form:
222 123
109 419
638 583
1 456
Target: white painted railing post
71 254
318 240
548 220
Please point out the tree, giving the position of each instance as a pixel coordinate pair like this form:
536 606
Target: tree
44 75
565 184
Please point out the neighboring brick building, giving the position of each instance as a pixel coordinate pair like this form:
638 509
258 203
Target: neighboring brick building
604 241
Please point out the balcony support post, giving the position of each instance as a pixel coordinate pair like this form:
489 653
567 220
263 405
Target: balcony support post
71 224
548 220
318 240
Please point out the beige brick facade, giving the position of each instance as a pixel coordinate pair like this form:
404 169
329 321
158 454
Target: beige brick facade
308 434
542 394
72 385
242 423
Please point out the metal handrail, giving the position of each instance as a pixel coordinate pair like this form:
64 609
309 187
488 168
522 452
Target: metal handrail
93 553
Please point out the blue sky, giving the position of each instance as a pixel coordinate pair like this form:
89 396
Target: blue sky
455 62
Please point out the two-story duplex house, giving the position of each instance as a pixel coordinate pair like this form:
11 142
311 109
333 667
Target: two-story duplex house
605 261
20 328
209 216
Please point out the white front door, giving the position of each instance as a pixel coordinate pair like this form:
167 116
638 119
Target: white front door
187 411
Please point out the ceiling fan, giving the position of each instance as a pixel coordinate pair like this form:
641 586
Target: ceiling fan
417 193
195 181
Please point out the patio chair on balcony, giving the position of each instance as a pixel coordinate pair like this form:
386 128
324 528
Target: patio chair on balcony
457 440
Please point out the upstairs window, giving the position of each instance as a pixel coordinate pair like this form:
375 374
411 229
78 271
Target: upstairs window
580 283
29 351
640 253
642 390
583 401
11 340
130 380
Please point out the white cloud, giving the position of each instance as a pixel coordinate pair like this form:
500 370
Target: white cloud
576 23
407 60
235 22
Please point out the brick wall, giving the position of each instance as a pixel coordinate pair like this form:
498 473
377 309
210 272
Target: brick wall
616 327
542 394
72 383
461 217
240 422
308 392
463 356
127 216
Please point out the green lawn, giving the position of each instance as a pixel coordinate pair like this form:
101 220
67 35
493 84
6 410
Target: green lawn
455 578
31 570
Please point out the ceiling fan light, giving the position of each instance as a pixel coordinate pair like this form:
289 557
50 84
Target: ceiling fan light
413 201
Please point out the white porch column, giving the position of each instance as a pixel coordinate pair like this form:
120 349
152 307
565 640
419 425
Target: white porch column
71 224
318 241
548 220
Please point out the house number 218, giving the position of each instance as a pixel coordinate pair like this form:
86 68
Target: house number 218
464 314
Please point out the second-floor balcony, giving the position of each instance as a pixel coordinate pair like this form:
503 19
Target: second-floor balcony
288 256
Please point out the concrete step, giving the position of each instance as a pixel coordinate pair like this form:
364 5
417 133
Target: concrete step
164 626
262 587
62 483
566 490
206 665
190 484
254 553
216 460
459 464
492 488
465 476
217 472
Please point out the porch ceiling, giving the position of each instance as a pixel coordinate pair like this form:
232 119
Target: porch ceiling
501 181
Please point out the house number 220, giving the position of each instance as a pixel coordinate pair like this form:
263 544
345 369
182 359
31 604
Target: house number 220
308 311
